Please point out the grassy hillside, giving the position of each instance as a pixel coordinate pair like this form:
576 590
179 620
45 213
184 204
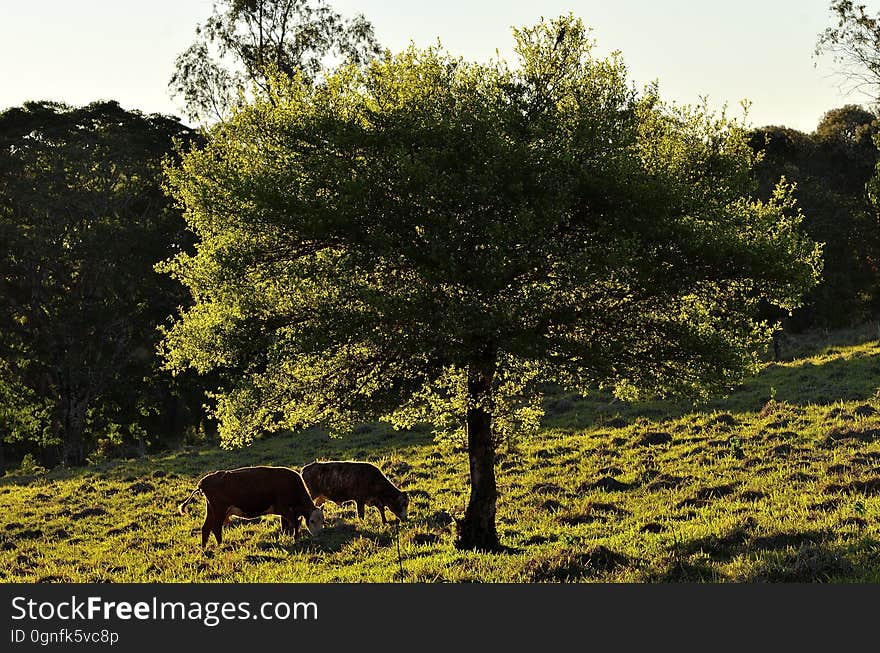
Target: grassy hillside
778 482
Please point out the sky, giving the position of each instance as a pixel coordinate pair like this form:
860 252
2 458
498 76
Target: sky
78 51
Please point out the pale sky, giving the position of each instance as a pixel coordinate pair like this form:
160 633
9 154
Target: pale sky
78 51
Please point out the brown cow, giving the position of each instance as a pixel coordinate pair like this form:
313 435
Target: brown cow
253 491
363 483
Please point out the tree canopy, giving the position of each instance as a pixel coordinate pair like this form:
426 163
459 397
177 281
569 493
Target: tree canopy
427 233
83 218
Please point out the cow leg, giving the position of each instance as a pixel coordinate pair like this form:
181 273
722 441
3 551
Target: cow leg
219 516
360 509
290 523
381 509
206 527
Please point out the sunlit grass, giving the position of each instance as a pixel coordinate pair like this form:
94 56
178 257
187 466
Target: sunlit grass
778 482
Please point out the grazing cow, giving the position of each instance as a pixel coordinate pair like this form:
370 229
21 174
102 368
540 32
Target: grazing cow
253 491
362 483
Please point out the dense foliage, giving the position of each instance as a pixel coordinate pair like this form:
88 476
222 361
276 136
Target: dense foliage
83 219
831 169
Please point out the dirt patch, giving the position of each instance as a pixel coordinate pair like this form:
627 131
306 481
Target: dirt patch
705 495
837 435
787 540
722 419
438 519
550 505
599 506
870 487
684 571
425 538
652 438
752 495
611 470
596 511
547 488
565 566
858 522
606 483
719 547
29 534
141 487
864 410
615 422
865 458
652 527
782 450
825 506
839 413
123 529
88 512
399 468
553 453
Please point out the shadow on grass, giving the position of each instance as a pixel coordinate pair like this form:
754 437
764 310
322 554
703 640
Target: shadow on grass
799 557
332 539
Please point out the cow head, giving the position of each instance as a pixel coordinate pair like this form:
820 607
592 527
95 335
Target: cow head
401 503
315 521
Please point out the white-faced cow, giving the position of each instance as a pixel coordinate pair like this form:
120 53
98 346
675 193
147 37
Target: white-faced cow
360 482
253 491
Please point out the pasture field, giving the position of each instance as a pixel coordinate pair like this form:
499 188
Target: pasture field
778 482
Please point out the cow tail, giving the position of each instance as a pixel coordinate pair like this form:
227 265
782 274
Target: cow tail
183 505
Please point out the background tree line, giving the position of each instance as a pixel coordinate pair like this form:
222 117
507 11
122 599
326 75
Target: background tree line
84 218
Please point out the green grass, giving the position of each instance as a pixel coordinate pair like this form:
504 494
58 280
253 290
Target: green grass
778 482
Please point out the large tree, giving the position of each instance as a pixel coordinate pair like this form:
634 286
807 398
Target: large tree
83 219
432 232
243 41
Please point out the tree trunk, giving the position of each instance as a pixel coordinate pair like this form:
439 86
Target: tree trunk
477 529
73 428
